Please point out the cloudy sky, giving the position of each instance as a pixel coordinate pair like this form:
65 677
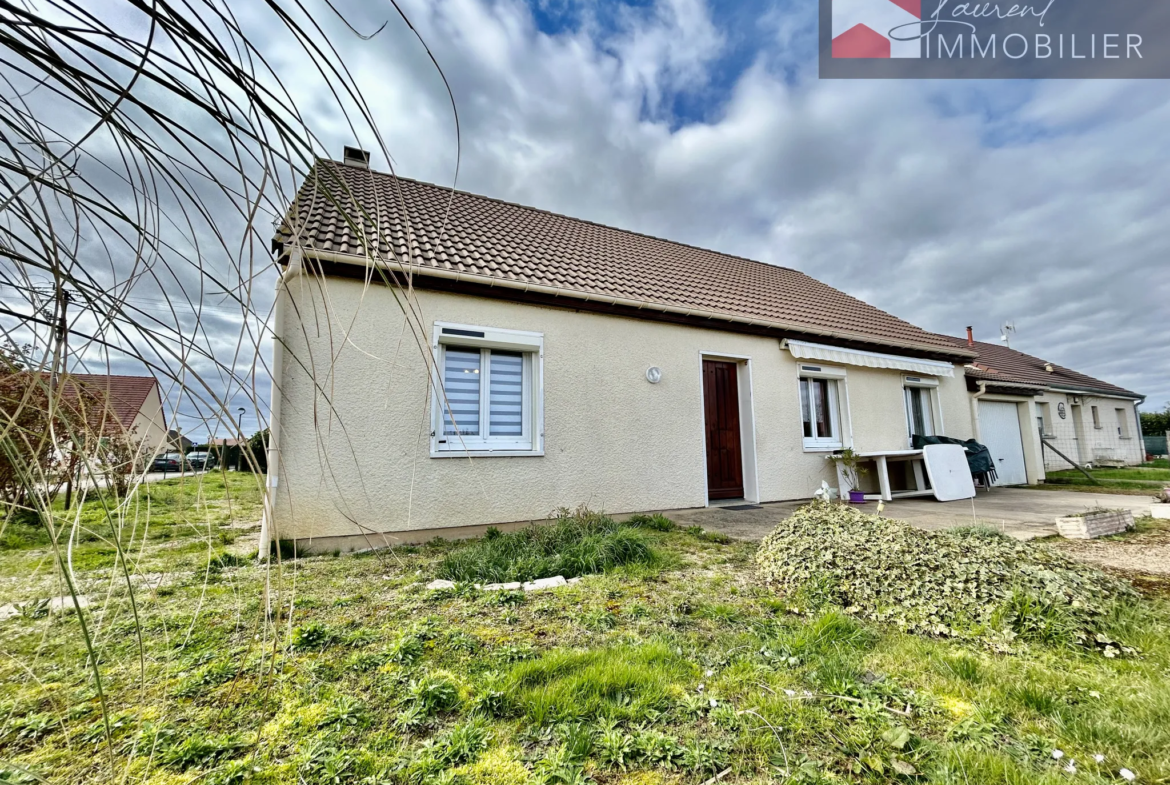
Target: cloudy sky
948 203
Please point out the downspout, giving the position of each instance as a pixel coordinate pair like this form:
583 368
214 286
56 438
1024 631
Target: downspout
268 524
975 408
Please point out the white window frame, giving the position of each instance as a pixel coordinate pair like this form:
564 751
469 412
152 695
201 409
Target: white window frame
929 386
1122 423
466 336
838 414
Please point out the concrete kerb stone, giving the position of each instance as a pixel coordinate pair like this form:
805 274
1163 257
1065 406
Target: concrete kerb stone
537 585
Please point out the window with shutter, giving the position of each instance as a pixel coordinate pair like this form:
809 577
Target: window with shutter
489 397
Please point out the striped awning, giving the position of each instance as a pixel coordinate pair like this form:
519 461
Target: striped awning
835 354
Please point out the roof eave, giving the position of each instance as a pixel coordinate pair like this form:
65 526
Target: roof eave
961 356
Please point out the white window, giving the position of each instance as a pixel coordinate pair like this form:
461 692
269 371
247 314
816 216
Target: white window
1096 417
488 394
1044 418
820 407
919 394
1122 424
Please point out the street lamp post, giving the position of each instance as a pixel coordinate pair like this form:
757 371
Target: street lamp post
240 444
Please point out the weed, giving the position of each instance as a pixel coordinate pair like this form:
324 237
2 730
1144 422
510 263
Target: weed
404 651
464 742
345 713
615 747
313 635
574 543
656 522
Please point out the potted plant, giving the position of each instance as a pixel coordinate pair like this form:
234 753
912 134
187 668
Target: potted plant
849 465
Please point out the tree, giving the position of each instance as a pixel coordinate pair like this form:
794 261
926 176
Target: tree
1156 423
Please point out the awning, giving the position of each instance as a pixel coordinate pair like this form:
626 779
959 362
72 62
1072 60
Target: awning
835 354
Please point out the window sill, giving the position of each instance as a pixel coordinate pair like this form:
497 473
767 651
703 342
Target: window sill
823 447
487 453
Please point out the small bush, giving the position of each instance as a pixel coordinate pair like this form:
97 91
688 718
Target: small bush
574 543
964 583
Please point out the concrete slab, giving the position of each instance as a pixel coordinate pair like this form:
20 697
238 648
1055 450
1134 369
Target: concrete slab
1019 512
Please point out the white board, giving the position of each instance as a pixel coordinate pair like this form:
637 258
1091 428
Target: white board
950 476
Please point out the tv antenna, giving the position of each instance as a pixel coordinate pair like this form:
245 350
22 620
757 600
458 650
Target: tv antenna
1006 333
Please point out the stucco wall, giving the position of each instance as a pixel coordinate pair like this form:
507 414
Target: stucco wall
355 448
149 426
1081 440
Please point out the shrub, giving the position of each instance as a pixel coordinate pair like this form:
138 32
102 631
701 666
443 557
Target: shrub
964 583
575 543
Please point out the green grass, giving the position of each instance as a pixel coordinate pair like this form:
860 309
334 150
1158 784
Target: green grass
161 525
666 673
1146 479
575 543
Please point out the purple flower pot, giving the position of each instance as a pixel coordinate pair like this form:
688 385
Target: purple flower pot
857 497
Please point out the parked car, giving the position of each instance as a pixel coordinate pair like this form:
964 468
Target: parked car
168 462
201 460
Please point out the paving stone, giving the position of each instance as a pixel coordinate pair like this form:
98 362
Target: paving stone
8 611
65 602
440 584
545 583
512 586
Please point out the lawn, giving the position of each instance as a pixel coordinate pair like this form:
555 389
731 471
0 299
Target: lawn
1148 478
676 665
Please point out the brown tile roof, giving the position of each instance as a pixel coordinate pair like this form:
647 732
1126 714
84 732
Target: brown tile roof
125 394
1000 364
494 242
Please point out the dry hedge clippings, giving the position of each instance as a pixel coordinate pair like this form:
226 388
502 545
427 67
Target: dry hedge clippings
963 583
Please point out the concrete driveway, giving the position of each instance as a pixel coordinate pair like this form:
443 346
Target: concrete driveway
1022 513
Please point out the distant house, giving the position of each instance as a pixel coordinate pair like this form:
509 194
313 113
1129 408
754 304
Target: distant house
134 403
177 442
1024 406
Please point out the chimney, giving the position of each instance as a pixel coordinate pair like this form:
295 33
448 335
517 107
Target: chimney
355 156
970 336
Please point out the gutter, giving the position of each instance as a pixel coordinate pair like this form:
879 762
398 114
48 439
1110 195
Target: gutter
982 385
268 531
483 280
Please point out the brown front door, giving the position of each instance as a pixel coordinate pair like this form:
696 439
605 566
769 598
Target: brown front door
721 405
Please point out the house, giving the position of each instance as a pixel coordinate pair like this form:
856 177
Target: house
177 442
1034 415
134 405
521 361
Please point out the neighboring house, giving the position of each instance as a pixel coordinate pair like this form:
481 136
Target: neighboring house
550 361
1017 397
177 442
134 404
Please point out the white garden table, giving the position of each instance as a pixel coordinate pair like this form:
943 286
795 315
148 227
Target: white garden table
881 459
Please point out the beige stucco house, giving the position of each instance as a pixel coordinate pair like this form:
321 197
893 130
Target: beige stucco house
516 361
446 361
133 406
1035 415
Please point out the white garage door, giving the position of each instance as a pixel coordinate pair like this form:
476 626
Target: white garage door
999 429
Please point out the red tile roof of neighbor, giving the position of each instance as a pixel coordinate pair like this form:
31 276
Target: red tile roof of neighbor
125 394
997 363
484 240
